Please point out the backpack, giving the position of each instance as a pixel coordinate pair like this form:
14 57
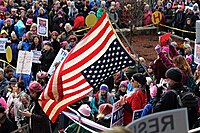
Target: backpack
188 100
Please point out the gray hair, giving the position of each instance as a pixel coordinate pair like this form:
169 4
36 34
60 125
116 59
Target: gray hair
68 24
1 70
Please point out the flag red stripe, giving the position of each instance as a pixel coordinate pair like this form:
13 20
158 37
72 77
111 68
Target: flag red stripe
65 105
49 92
72 78
89 44
99 22
89 57
75 86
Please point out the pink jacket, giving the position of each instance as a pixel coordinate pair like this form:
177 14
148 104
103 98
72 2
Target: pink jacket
147 18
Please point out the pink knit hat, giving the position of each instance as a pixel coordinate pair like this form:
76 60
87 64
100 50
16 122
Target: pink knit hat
85 110
41 75
35 87
189 58
123 83
105 108
166 49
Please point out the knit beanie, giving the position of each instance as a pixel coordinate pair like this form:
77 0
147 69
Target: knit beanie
140 78
104 87
35 87
174 74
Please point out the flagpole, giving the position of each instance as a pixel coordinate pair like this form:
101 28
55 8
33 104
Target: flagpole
129 45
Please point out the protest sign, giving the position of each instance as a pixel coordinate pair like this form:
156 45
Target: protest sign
117 115
197 53
172 121
137 114
60 56
36 56
42 26
3 45
24 62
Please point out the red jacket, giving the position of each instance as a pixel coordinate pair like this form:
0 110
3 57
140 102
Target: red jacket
78 23
136 101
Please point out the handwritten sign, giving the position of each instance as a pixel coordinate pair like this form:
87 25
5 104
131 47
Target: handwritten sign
60 56
3 45
36 56
42 26
117 115
24 62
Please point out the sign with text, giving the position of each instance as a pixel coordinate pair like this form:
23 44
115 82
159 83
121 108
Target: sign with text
172 121
197 53
60 56
36 56
117 115
42 26
3 45
137 114
24 62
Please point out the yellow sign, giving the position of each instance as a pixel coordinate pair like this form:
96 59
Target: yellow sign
9 54
90 20
156 17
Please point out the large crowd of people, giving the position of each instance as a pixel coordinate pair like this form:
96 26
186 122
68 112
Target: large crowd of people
152 87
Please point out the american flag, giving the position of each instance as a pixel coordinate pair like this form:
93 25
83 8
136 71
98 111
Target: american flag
95 58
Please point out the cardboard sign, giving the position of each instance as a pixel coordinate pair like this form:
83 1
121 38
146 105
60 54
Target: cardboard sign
24 62
197 53
117 115
3 45
137 114
172 121
36 56
156 17
42 26
60 56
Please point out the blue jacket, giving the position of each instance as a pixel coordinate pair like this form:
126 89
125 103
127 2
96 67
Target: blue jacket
130 88
26 45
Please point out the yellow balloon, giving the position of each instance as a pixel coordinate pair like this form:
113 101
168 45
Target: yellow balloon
91 20
9 54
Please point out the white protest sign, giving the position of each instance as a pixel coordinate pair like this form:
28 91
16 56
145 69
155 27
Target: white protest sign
197 53
36 56
60 56
42 26
172 121
24 62
117 115
137 114
3 45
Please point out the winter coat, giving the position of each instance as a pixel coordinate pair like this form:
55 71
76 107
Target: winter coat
168 100
135 102
47 59
179 19
97 100
39 122
3 87
114 17
168 16
192 17
100 13
168 64
56 46
105 121
79 23
188 27
26 45
147 18
130 88
7 126
56 24
51 16
118 94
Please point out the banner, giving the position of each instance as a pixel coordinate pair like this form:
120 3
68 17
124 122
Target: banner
3 45
24 62
172 121
197 53
117 115
60 56
36 56
42 26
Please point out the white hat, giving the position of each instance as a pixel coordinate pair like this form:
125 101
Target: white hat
85 110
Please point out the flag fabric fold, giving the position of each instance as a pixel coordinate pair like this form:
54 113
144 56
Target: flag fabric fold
95 58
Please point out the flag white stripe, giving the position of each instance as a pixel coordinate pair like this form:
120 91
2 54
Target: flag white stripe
68 91
91 61
47 105
67 100
91 36
73 82
88 51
